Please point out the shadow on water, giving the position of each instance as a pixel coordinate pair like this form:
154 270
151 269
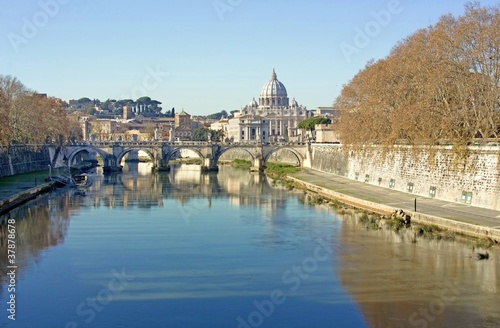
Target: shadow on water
39 225
398 282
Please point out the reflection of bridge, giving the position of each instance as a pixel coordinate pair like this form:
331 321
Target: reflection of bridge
162 152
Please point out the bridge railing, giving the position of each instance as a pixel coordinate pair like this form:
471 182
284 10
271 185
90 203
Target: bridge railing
182 143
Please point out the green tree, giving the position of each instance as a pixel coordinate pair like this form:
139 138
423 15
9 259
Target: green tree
218 116
91 111
201 134
310 123
84 100
144 100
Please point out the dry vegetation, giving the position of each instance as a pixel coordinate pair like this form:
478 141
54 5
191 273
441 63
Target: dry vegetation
439 85
29 118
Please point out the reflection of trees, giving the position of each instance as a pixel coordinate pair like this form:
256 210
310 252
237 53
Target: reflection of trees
40 224
391 278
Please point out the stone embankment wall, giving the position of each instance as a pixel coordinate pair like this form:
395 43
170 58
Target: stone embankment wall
23 159
470 175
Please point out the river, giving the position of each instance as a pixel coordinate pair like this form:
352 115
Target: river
229 249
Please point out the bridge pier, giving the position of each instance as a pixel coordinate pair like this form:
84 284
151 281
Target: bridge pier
110 165
209 165
161 166
257 165
111 169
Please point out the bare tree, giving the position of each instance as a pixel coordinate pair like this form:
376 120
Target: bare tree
441 83
29 118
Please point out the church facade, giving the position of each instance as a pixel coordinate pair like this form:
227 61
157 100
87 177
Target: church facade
273 118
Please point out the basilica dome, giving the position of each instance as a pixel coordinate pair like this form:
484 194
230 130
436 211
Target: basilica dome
273 93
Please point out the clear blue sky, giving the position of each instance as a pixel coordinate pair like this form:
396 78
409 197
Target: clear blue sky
207 58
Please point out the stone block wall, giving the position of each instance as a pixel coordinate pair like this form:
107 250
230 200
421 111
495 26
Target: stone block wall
23 159
470 176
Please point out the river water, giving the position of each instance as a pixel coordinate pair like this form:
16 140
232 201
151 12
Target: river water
229 249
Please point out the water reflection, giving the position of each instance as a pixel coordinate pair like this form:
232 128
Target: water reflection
39 225
200 250
138 186
430 283
43 223
218 242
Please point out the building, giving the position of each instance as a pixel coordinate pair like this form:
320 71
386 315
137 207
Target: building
248 128
221 126
183 129
127 113
325 112
272 118
165 127
325 133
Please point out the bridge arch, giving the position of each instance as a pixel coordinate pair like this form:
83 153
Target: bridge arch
125 151
178 150
224 150
71 156
299 157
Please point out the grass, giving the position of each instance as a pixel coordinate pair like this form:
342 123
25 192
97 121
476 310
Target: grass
280 170
396 223
241 163
484 243
369 221
187 161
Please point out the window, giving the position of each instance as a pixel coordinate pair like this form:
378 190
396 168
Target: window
367 178
356 176
432 192
466 197
409 187
392 184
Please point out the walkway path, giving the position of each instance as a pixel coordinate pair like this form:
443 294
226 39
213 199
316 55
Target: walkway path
401 200
13 185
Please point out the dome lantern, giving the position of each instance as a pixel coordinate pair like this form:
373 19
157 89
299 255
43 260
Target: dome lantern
273 93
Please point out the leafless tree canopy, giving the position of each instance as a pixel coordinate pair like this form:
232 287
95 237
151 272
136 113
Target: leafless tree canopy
441 83
28 118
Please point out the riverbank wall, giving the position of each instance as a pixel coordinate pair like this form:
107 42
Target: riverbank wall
23 159
7 205
470 175
464 228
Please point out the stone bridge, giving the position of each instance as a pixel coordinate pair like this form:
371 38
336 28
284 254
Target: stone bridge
161 153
